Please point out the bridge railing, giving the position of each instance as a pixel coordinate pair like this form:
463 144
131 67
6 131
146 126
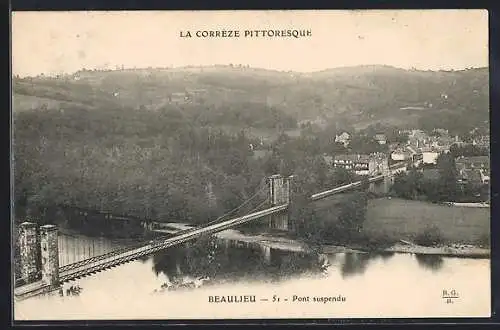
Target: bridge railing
100 257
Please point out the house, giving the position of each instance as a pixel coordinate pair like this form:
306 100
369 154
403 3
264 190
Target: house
470 163
393 146
417 134
380 138
328 159
415 156
360 164
418 139
400 154
444 143
485 178
441 131
429 155
482 141
343 138
473 169
417 159
469 176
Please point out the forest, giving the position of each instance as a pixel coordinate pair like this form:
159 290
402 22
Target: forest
157 165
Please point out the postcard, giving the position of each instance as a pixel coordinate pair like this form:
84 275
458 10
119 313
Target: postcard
181 165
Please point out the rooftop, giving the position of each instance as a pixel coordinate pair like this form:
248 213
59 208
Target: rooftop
473 159
353 158
471 175
428 149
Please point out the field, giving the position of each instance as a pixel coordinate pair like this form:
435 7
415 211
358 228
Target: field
402 219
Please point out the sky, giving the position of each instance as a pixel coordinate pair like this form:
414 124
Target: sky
64 42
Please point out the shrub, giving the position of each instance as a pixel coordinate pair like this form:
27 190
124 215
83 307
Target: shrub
431 236
376 242
484 241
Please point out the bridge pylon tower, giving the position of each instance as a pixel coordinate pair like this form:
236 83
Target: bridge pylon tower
50 254
28 251
279 194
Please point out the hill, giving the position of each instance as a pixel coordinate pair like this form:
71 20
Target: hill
360 95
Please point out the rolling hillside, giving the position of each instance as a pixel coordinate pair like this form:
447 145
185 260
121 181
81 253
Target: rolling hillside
359 95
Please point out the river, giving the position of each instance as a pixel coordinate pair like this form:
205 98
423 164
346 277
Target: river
283 285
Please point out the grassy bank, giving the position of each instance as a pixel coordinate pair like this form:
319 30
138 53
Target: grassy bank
395 219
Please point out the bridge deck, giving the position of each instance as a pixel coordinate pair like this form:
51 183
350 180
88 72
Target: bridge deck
32 289
343 188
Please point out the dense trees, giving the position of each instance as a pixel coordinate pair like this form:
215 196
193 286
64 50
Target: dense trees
408 185
151 163
365 144
468 150
339 222
126 169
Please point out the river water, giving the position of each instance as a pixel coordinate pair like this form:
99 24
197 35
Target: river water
264 283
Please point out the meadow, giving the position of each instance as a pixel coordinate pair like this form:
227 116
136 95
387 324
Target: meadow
396 219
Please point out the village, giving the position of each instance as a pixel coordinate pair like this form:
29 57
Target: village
471 157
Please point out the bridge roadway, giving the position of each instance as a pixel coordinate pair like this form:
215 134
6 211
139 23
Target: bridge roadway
112 260
376 178
343 188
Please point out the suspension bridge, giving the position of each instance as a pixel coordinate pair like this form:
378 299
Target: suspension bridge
96 257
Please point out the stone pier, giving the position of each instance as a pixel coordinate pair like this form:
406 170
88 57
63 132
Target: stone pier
266 253
29 252
50 254
388 182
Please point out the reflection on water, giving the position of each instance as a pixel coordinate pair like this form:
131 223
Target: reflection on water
184 276
357 263
429 261
228 262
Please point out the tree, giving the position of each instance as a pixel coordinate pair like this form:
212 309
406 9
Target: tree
468 150
352 215
407 185
342 176
363 144
447 183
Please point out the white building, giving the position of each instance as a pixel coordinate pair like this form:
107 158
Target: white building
380 138
429 155
343 138
400 155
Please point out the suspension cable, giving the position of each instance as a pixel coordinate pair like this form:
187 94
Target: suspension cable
258 206
125 249
219 219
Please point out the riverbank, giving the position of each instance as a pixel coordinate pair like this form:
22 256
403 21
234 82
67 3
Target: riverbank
287 244
266 240
456 250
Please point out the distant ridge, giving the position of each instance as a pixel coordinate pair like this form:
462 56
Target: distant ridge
340 69
361 95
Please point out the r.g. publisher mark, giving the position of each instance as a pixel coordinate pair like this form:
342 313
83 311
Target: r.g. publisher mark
257 33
